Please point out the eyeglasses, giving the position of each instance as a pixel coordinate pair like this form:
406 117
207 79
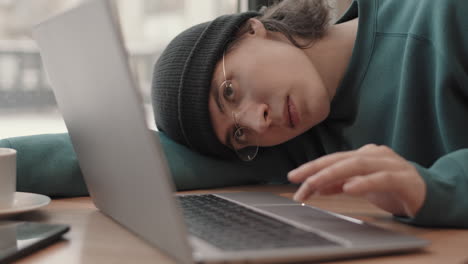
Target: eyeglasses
246 139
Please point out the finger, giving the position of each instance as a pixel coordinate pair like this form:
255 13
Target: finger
381 181
375 149
410 189
303 192
345 169
331 189
368 148
383 189
342 171
308 169
301 173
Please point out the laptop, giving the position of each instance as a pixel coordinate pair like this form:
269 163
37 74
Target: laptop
128 178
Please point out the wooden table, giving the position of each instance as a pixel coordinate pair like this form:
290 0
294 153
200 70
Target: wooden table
95 238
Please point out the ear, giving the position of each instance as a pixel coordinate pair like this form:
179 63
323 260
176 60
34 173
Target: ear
256 28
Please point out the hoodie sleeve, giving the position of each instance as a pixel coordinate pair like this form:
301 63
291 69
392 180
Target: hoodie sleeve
446 203
47 164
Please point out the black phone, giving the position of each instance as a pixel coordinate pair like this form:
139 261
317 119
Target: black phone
18 239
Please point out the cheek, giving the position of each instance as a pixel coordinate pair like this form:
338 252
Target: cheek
313 97
277 136
264 72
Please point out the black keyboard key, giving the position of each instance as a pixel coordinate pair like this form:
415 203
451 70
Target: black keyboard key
230 226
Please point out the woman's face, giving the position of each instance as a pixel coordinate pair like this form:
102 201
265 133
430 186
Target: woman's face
275 91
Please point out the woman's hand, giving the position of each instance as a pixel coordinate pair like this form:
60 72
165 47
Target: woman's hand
374 172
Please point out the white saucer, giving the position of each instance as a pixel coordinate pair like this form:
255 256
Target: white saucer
25 202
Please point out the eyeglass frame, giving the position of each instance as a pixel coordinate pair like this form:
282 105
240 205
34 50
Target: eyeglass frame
239 128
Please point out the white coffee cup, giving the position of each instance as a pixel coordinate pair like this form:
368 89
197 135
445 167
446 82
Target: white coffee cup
7 177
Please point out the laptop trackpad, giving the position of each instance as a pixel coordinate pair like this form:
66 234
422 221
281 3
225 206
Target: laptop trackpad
346 228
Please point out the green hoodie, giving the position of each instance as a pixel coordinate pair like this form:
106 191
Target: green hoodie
47 164
406 87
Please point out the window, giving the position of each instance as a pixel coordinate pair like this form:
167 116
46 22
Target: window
27 104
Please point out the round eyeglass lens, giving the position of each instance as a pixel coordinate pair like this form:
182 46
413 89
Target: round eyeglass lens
247 153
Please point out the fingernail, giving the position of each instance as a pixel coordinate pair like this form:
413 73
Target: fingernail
347 186
298 197
351 185
291 174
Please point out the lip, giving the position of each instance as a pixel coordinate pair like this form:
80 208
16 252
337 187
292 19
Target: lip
286 115
292 115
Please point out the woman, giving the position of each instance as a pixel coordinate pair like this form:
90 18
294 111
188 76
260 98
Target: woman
381 96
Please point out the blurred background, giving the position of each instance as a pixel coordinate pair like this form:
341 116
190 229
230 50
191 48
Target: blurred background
27 104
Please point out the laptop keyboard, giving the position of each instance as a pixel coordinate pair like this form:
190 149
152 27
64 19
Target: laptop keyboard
233 227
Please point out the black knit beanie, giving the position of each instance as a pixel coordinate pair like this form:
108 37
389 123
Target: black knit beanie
181 83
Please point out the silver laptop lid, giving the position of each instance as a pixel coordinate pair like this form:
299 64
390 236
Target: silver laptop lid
122 162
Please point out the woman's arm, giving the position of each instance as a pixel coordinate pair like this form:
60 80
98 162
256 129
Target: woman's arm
47 164
446 201
433 196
